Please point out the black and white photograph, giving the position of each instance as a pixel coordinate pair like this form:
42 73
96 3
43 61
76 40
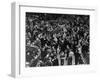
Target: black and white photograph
55 39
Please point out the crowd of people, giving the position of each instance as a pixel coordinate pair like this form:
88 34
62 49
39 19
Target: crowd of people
56 39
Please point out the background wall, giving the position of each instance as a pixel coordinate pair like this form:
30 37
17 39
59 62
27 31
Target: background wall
5 39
